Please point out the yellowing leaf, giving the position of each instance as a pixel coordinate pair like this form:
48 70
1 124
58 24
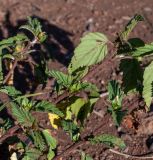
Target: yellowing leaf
54 120
77 105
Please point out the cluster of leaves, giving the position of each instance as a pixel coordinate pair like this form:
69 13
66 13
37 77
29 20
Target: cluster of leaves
32 141
75 96
115 98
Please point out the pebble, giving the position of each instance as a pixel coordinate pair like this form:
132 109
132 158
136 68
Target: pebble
126 18
147 9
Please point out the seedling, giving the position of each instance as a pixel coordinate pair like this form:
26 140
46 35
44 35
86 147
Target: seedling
115 98
75 96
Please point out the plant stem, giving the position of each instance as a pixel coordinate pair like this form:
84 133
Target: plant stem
130 156
10 72
20 97
69 149
24 51
9 133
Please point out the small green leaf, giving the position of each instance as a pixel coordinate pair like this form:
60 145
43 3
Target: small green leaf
79 73
115 97
71 128
51 154
109 140
147 49
38 140
62 79
115 94
85 156
9 56
12 40
48 107
77 105
32 154
91 50
148 84
86 109
34 26
49 139
11 91
23 116
130 26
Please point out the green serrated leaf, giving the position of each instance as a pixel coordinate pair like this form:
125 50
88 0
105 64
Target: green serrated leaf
91 50
148 84
12 40
79 73
115 93
115 98
38 140
11 91
48 107
23 116
62 79
51 154
132 74
71 128
130 26
86 109
147 49
9 56
77 105
86 86
109 140
49 139
34 26
32 154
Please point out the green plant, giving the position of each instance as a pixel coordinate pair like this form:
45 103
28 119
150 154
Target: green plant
115 98
75 97
85 156
109 140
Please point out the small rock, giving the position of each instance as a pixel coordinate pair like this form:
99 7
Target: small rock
147 9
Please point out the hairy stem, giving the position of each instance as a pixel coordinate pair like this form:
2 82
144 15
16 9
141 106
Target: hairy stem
10 72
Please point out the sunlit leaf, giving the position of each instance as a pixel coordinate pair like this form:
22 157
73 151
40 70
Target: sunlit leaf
109 140
143 50
32 154
49 139
130 26
91 50
85 156
148 84
77 105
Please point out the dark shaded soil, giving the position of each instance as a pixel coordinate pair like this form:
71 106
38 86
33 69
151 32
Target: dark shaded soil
65 21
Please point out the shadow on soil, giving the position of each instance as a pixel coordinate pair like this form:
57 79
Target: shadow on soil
58 47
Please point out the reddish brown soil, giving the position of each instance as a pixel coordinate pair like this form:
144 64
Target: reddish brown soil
66 21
